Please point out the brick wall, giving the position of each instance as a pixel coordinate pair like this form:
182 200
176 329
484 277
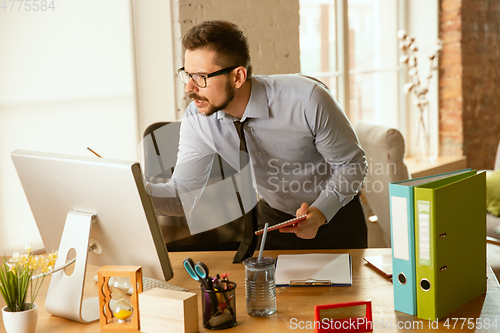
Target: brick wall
271 26
470 80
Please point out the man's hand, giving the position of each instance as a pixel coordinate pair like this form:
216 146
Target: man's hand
308 228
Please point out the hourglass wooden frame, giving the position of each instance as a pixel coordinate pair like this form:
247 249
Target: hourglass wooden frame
105 312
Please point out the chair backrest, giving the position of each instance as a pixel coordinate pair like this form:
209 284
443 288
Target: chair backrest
385 150
160 148
160 137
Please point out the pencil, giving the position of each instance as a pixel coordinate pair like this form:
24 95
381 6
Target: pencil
94 152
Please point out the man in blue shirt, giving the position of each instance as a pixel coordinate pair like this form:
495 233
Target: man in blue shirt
304 155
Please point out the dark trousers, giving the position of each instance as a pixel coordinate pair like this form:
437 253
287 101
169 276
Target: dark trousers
346 230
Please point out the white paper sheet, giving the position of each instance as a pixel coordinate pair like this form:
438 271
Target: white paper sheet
335 268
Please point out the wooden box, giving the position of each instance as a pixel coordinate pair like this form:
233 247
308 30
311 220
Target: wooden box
164 310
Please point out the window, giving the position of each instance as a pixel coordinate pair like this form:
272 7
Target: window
318 42
356 54
352 46
373 61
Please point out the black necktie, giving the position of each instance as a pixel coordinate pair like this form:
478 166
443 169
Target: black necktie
239 125
249 240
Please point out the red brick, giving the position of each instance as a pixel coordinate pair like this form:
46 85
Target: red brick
450 59
451 36
451 93
452 71
451 26
450 127
455 134
451 115
453 83
453 121
452 48
446 105
451 15
449 5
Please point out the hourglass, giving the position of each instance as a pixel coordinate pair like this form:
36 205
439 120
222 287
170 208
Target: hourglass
119 286
116 281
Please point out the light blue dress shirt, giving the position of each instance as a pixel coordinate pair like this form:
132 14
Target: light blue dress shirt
302 147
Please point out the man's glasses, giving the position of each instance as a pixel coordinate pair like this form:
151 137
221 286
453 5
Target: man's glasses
200 80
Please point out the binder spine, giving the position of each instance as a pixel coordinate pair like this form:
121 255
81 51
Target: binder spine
426 279
403 248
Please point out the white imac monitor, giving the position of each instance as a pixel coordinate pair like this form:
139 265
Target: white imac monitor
78 202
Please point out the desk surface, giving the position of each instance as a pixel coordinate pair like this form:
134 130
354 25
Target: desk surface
296 304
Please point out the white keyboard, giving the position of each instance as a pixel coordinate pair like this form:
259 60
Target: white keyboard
148 283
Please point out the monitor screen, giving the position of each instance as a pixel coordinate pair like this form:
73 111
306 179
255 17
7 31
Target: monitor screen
126 229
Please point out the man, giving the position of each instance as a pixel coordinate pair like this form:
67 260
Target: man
304 155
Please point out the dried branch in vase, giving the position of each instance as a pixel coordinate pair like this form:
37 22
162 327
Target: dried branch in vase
418 87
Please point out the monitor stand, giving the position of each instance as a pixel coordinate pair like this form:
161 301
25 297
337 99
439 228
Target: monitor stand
65 294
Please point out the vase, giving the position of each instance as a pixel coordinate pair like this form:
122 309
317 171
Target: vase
20 322
423 149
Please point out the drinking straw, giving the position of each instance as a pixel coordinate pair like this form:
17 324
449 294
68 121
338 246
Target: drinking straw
263 242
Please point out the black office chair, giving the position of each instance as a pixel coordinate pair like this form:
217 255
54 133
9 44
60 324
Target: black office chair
159 167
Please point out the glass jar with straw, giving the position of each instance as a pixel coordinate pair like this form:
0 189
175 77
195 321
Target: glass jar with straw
260 283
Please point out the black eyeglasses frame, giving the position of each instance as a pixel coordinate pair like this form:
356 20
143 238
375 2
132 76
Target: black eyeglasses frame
204 76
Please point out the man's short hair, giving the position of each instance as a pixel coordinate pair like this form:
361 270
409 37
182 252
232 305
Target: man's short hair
223 37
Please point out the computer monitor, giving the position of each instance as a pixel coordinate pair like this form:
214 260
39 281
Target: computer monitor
94 201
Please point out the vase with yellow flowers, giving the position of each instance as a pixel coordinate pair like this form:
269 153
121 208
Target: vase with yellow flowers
21 277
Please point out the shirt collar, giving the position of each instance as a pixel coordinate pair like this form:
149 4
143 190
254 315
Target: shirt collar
257 106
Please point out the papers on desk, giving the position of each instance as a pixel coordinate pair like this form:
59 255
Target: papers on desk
315 269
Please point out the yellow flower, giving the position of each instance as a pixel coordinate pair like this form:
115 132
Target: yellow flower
12 268
27 247
15 257
48 270
23 261
44 263
33 262
52 258
47 263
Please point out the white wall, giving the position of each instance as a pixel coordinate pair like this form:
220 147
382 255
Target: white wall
156 74
66 83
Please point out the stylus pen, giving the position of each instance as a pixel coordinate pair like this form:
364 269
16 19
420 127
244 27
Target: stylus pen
94 152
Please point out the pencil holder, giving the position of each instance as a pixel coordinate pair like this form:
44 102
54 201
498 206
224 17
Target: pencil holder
219 306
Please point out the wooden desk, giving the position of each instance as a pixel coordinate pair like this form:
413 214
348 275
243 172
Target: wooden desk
296 304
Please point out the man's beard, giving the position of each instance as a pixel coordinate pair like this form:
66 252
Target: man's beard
230 93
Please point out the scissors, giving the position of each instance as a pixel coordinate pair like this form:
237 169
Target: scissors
198 271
